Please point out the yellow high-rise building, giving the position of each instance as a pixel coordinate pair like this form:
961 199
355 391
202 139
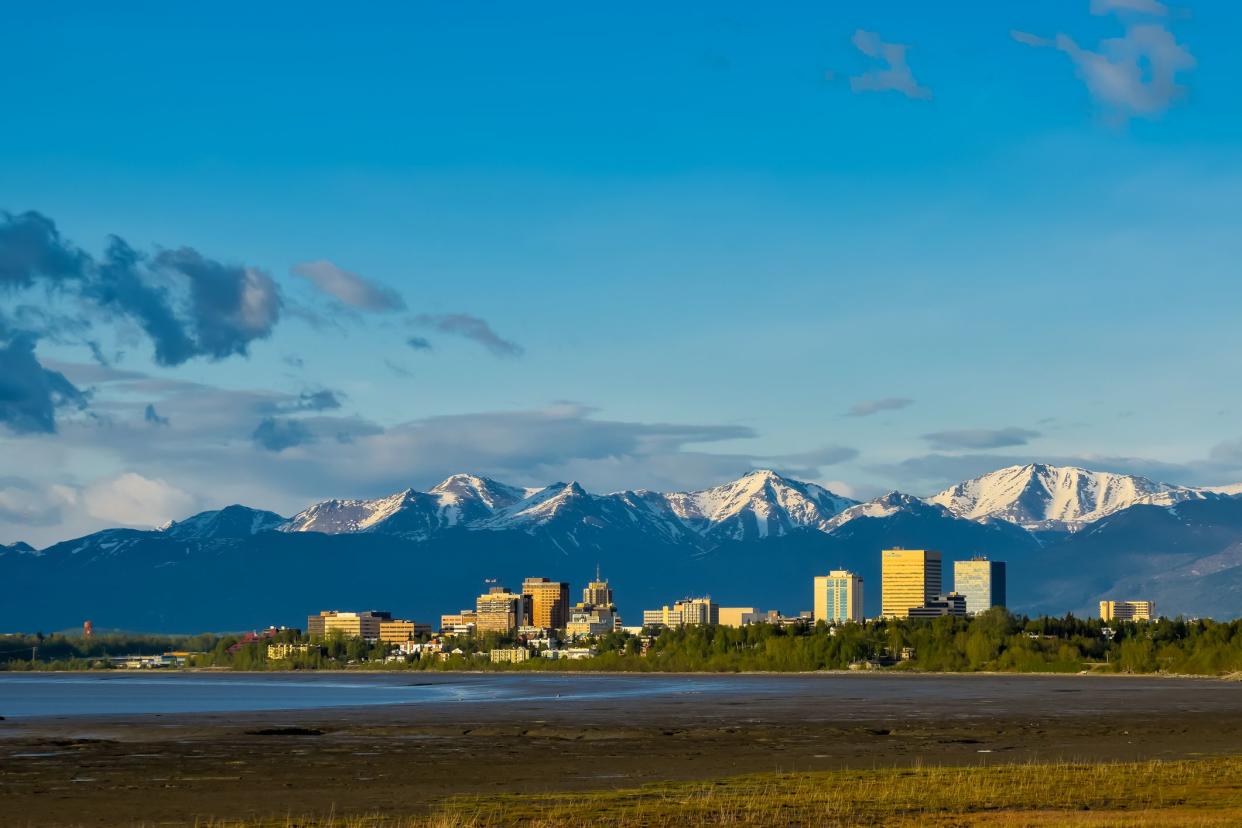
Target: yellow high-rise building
909 578
549 603
499 611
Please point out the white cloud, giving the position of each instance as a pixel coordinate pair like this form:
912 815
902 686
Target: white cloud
133 500
28 503
349 288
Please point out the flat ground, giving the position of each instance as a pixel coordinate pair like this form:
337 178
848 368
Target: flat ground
405 760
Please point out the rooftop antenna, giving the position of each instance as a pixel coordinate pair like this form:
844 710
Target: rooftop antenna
597 571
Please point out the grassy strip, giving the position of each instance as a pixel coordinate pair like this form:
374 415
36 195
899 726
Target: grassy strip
1201 792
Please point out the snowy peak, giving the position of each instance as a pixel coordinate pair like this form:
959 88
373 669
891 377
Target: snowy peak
1065 498
759 504
19 547
885 506
230 522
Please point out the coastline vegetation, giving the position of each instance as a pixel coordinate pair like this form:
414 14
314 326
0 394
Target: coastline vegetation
994 641
1198 792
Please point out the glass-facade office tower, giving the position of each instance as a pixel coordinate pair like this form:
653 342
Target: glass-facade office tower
982 582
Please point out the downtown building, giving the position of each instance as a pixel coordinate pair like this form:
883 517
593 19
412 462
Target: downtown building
686 612
547 603
349 624
838 597
1127 610
982 582
909 578
500 611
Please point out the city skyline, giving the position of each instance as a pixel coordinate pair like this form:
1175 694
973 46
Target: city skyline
756 196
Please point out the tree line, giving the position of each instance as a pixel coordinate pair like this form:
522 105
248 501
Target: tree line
995 640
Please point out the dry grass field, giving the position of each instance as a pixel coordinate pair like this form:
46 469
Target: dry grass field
1200 792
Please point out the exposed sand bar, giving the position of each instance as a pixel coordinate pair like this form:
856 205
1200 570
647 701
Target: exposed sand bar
581 732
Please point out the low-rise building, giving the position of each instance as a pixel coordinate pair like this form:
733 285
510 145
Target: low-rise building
948 604
590 622
686 612
349 624
740 616
574 653
284 649
458 619
1127 610
509 655
399 630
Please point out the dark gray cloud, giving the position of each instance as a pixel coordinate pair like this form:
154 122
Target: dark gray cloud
121 287
866 408
187 304
230 305
152 417
31 249
324 400
348 288
419 343
29 393
980 438
473 328
273 434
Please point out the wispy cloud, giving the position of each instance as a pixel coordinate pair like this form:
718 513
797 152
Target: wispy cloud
349 288
152 417
980 438
866 408
1135 75
1100 7
419 343
472 328
895 76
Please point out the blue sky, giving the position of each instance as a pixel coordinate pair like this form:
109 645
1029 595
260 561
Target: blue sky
647 247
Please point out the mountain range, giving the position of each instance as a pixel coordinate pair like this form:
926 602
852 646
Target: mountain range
1070 535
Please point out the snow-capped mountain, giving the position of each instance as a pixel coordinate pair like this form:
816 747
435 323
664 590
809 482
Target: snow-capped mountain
761 504
887 506
462 499
230 522
758 505
1062 498
756 541
1232 490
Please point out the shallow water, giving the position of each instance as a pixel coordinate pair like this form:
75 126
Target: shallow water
66 694
838 696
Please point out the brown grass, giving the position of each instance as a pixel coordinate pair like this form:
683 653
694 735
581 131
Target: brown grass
1202 792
